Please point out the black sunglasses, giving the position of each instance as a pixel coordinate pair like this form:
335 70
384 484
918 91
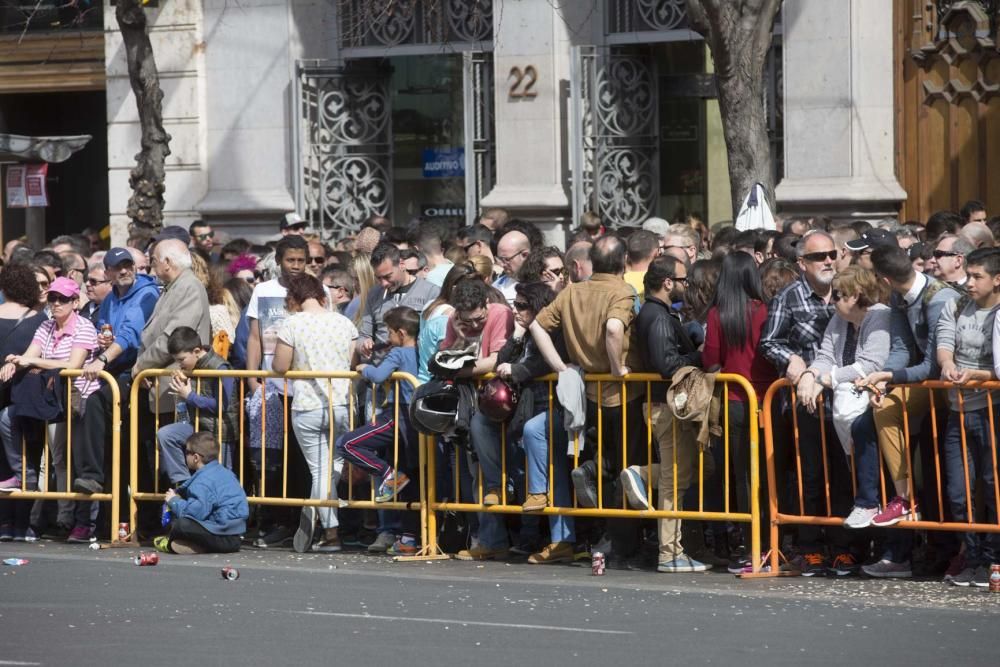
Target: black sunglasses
557 272
413 272
938 254
58 298
521 305
93 282
316 260
820 256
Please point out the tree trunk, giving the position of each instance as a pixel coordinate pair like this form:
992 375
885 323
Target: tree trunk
145 206
739 37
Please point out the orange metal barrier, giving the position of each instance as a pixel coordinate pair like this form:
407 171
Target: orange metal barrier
46 458
240 443
637 383
780 516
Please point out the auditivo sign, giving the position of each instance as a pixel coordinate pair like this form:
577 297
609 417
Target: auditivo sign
444 163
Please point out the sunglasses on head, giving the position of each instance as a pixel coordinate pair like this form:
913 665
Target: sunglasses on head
820 256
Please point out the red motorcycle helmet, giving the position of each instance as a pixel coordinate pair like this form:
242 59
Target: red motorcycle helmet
497 400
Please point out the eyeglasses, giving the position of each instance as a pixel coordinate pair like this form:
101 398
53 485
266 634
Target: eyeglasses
508 260
682 280
205 237
938 254
413 272
820 256
58 298
474 322
94 282
313 259
521 305
469 245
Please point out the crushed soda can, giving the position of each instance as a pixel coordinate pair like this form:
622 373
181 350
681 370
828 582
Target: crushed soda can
230 573
15 561
146 558
123 531
597 563
994 578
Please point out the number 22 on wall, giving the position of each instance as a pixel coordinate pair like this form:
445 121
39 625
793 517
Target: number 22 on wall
528 77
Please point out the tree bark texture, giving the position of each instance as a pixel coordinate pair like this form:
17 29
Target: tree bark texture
738 33
145 205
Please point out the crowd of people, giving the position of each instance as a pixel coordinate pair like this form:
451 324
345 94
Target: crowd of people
845 310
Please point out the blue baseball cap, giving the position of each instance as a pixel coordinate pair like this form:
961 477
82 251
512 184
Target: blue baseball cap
116 256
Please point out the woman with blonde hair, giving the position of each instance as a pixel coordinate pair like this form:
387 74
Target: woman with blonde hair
364 279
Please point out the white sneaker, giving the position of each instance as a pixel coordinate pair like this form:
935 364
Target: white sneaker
860 517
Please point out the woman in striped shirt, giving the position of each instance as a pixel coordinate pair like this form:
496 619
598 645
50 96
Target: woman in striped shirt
66 341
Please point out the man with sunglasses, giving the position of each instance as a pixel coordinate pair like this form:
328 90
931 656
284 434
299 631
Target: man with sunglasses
202 236
98 287
796 320
949 260
126 307
316 258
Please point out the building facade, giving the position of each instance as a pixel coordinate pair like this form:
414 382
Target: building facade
341 109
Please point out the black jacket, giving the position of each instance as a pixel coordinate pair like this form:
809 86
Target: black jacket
667 346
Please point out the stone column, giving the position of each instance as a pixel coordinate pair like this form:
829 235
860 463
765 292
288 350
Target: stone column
839 123
531 132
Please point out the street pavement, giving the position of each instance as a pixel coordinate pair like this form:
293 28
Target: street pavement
74 606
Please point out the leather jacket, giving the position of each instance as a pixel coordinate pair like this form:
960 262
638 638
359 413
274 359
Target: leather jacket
667 346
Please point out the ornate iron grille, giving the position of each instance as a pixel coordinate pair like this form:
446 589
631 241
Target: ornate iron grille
346 156
397 22
616 151
646 15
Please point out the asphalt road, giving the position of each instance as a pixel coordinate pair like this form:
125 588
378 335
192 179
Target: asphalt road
73 606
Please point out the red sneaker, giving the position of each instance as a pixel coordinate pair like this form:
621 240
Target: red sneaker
895 511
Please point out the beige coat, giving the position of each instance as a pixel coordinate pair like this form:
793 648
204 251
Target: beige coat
184 303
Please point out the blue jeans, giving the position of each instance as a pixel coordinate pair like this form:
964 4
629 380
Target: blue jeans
866 461
484 435
171 439
536 447
979 457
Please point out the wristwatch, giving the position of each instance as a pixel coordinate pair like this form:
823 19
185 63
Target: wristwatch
103 358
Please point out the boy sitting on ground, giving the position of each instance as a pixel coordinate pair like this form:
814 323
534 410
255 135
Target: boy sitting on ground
209 510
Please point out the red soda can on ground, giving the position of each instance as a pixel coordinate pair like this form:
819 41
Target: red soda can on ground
230 573
994 578
146 558
123 531
597 563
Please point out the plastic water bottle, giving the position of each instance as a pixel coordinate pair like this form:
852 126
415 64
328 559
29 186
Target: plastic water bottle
182 412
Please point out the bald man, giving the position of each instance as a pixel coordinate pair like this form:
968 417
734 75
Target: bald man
512 249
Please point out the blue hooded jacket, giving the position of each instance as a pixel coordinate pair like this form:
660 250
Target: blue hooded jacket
214 498
127 315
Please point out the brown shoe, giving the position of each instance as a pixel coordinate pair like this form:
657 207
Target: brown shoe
491 497
535 502
557 552
481 553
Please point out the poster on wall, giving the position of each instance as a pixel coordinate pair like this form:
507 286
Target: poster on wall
26 185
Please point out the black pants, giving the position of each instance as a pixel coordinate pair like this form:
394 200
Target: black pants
192 532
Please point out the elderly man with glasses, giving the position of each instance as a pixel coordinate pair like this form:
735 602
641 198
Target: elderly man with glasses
796 320
512 248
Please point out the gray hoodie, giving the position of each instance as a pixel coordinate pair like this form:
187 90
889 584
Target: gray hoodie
969 335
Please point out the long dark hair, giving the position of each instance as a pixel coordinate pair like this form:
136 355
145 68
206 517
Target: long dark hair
455 274
739 283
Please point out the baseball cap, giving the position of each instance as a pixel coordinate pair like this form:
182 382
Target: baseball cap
173 232
658 226
116 256
872 238
292 219
65 286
